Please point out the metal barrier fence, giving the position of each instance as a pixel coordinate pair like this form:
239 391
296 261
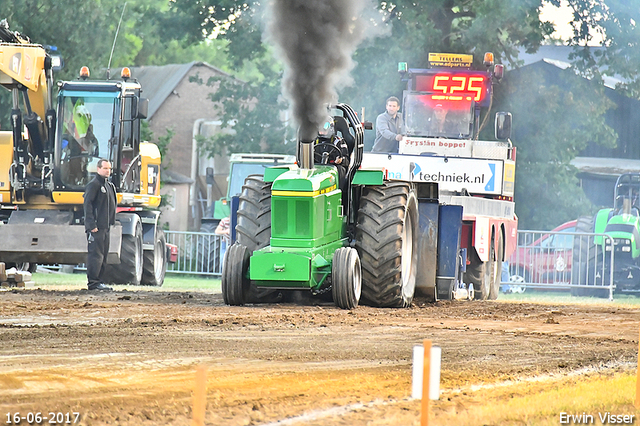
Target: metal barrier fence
580 262
199 253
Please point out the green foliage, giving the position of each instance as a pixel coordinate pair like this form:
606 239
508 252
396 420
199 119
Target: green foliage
145 131
83 30
250 114
163 145
157 32
615 23
554 122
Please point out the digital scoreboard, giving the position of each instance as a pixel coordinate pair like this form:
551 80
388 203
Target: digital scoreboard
453 86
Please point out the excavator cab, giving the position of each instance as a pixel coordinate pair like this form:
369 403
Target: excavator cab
98 120
84 131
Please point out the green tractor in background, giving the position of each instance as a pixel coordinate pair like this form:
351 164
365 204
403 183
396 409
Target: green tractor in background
240 167
622 224
325 230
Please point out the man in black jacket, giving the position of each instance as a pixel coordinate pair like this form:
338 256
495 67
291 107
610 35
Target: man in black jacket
99 216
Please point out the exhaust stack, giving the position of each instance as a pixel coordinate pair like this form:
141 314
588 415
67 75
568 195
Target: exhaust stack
305 154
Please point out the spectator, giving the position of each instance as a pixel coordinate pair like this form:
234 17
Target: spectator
224 229
389 128
99 216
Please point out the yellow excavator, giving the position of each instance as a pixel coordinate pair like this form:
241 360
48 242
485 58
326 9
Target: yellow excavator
51 153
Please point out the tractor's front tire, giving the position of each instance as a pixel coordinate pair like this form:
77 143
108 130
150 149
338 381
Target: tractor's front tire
155 261
346 278
235 283
386 240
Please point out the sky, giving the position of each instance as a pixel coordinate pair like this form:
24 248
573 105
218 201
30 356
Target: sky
560 16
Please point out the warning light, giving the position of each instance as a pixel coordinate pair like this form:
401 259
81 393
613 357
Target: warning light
84 72
498 71
488 59
126 73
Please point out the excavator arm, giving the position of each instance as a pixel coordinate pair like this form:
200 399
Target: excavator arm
26 70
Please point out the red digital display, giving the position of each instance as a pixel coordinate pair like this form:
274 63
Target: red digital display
457 86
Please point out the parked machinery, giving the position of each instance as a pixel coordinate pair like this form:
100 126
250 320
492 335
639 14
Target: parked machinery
51 154
592 259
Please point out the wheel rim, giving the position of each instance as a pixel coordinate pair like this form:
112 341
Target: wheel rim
158 260
139 255
357 278
406 262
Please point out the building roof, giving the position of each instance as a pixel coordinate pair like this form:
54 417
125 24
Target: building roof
606 166
158 82
558 55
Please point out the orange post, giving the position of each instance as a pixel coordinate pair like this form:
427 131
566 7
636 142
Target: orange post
638 378
426 375
199 396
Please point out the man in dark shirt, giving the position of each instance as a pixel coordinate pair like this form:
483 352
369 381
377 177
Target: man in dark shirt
389 128
99 216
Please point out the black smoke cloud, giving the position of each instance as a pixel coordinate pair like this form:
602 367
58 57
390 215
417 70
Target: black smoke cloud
315 39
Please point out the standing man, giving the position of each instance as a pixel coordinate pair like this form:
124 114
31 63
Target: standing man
389 128
99 216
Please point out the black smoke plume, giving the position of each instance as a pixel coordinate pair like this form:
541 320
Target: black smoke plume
316 39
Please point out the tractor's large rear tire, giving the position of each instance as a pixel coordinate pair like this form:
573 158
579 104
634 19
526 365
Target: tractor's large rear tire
482 274
346 278
129 270
154 266
235 283
253 229
386 240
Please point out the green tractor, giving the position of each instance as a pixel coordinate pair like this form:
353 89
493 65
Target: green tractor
622 224
325 228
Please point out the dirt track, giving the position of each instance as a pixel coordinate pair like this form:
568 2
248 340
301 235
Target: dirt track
129 358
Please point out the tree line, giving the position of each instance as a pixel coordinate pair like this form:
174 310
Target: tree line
551 126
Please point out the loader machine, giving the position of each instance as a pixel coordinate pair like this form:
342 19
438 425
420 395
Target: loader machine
51 153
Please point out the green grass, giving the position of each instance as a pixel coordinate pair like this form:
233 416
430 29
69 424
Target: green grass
540 404
564 297
172 282
181 282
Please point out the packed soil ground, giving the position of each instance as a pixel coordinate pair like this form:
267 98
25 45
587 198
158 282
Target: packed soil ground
130 357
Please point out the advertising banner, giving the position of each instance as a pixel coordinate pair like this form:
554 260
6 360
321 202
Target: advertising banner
477 176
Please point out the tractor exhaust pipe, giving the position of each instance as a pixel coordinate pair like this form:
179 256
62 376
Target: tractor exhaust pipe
305 154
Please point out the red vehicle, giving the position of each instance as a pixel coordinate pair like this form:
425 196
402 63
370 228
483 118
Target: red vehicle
543 257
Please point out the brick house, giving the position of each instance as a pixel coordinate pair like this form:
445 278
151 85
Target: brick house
184 106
